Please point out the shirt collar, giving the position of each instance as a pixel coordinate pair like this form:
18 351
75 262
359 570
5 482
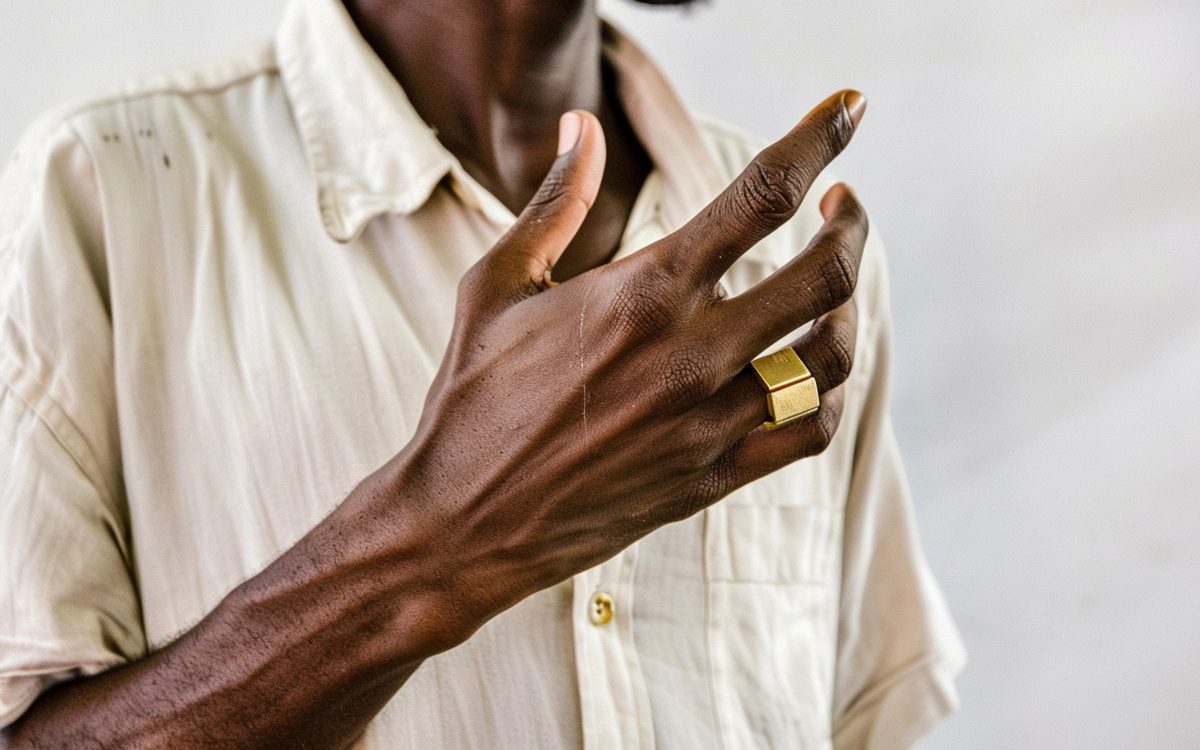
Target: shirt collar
371 153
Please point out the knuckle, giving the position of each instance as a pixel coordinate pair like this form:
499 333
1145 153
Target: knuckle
716 482
703 435
686 378
839 129
560 191
856 215
840 271
770 191
555 190
841 353
641 306
826 426
527 274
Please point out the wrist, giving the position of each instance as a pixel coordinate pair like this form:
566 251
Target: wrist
398 535
434 517
371 578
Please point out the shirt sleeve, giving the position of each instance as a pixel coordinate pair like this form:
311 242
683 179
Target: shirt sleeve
69 603
898 648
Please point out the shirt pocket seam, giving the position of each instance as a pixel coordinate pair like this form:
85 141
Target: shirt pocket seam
785 545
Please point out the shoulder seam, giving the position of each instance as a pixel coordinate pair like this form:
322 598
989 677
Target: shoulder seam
10 379
264 65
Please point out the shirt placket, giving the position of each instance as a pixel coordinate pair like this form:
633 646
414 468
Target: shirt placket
614 704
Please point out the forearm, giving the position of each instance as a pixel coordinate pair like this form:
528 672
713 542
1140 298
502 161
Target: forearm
302 655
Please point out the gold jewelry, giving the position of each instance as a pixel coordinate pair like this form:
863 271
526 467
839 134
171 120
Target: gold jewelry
791 389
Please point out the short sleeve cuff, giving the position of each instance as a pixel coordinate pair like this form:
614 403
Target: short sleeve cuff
902 709
19 689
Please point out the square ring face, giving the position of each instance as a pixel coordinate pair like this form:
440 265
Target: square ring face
780 369
794 401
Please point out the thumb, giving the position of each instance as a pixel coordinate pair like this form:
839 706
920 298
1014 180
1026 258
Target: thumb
549 222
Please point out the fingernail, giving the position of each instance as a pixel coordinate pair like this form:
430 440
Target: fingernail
855 104
570 127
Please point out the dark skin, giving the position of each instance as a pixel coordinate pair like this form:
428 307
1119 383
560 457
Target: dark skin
652 416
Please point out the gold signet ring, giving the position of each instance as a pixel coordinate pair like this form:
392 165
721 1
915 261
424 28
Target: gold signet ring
791 389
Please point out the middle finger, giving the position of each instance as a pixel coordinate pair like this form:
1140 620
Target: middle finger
815 282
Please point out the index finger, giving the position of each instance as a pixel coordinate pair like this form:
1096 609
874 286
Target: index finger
767 193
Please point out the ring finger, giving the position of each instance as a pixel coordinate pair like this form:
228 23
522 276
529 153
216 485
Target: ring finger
827 349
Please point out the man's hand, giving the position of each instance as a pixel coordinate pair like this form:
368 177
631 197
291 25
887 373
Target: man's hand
569 420
566 422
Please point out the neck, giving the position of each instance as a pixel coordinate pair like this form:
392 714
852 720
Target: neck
493 77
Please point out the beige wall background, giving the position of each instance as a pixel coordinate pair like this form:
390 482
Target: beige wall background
1035 168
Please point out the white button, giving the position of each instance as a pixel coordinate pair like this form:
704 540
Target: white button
600 608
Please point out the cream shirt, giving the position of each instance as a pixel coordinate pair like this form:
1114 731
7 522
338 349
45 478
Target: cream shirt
223 296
